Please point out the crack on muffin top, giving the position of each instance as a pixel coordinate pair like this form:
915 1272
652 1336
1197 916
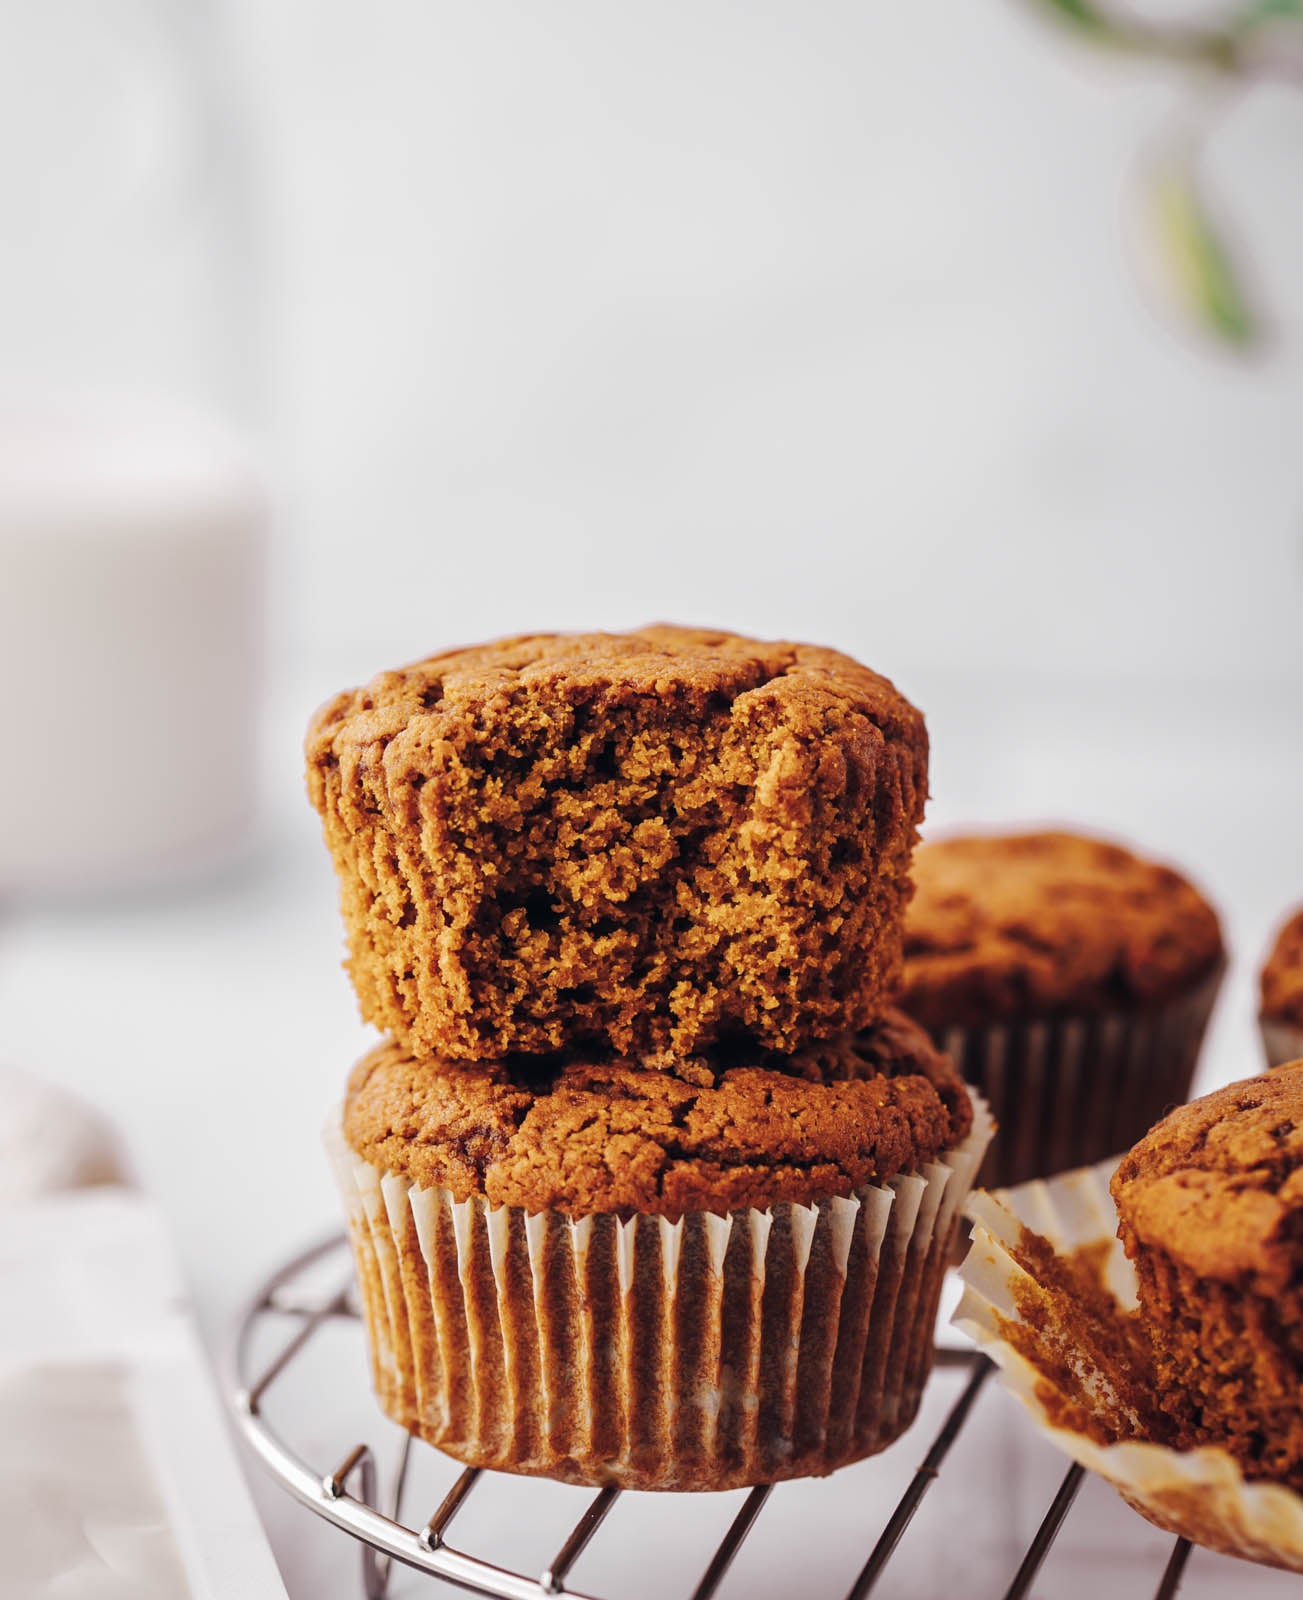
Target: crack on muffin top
592 1134
1050 923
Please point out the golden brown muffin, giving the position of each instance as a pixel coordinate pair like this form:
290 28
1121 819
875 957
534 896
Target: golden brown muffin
1043 924
584 1135
1280 1016
1281 980
1070 979
653 840
697 1278
1210 1207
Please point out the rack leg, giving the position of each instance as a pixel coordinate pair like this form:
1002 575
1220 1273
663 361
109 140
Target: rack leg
375 1567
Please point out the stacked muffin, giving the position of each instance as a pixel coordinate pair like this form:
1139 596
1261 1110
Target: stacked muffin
647 1186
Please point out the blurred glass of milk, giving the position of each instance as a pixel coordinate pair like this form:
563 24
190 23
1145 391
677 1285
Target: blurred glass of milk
131 518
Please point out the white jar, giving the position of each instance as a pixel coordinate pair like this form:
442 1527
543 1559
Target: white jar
131 557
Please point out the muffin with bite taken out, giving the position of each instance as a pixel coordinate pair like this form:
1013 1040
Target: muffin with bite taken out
654 841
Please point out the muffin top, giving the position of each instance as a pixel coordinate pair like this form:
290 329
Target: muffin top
1218 1184
1282 976
1038 924
691 667
587 1135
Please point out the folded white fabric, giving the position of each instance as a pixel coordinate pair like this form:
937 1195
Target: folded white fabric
50 1139
117 1476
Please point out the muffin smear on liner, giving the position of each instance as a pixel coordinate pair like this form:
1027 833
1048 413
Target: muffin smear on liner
1150 1318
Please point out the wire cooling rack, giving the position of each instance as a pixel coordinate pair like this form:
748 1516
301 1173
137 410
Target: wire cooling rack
314 1291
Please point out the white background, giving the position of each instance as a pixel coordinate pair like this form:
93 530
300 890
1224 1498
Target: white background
811 321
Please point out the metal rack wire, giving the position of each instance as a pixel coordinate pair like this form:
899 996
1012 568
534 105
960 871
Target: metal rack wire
346 1494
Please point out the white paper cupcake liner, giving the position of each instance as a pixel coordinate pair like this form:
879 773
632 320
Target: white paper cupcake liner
1282 1041
1069 1091
708 1352
1200 1494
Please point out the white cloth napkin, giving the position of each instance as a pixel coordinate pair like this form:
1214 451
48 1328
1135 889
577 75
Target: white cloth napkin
50 1139
117 1476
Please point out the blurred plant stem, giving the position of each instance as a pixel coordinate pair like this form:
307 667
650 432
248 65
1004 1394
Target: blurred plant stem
1256 41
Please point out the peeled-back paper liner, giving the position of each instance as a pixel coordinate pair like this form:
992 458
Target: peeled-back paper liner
1200 1494
1066 1091
1282 1041
708 1352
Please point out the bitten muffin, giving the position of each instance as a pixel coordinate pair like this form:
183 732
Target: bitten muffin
1210 1207
1281 985
1071 979
654 841
689 1279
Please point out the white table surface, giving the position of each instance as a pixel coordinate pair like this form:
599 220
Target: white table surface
216 1027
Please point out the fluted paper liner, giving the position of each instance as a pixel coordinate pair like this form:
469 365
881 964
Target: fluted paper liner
1068 1091
703 1353
1200 1494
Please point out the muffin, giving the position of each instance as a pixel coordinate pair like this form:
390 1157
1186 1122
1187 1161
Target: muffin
721 1274
1187 1399
1280 1016
1210 1209
651 842
1070 979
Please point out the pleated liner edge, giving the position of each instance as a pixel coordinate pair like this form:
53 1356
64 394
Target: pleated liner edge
706 1353
1069 1091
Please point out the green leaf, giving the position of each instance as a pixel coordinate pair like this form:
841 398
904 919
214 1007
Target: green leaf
1201 262
1080 14
1262 13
